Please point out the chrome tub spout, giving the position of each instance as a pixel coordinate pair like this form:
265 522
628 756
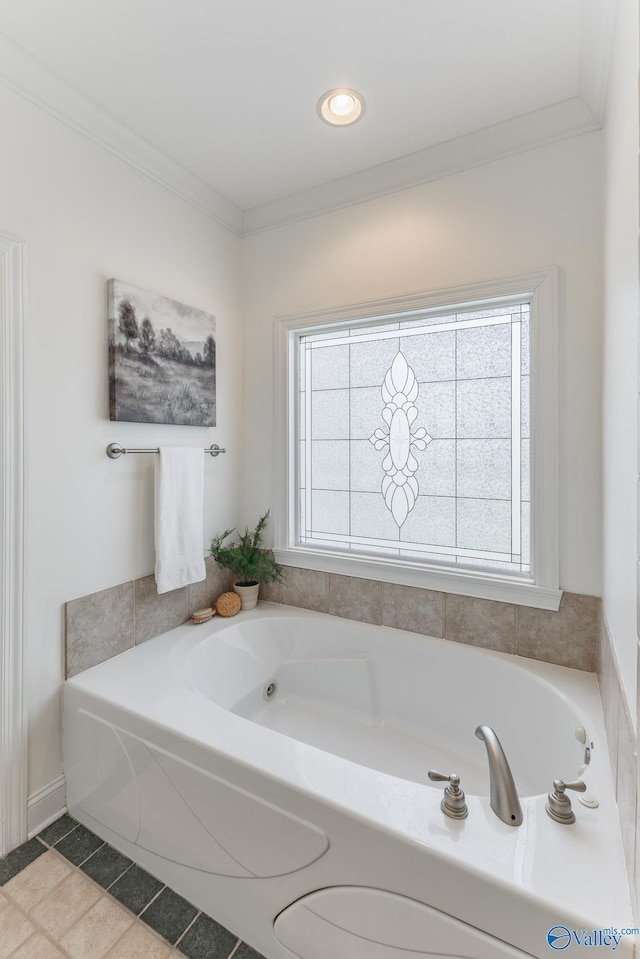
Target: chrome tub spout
503 795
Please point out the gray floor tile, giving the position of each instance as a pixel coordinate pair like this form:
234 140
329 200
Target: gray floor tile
207 939
163 910
78 845
15 861
135 889
169 915
106 865
57 830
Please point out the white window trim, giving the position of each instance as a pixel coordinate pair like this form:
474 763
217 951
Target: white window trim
542 589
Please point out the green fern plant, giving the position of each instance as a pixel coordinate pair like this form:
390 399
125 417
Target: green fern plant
247 558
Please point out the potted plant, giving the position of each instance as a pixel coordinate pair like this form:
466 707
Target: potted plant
249 561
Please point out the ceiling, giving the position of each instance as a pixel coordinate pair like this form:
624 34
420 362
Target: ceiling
217 98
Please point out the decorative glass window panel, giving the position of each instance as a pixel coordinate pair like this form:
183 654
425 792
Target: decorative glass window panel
417 440
414 440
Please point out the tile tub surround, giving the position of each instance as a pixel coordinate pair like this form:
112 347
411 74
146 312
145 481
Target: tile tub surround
68 895
103 624
566 637
623 742
106 623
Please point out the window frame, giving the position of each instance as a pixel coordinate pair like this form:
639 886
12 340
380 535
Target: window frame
541 588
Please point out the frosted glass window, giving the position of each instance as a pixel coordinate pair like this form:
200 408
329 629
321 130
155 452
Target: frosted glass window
370 361
484 468
483 351
329 512
483 408
484 524
431 356
433 522
437 476
329 419
330 368
330 464
365 463
364 403
370 519
525 414
436 403
414 438
525 467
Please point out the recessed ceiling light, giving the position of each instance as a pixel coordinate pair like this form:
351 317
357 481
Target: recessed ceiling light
341 107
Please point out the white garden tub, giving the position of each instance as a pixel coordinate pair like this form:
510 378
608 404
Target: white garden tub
305 821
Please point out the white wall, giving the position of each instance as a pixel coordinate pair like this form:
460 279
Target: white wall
513 216
87 217
620 374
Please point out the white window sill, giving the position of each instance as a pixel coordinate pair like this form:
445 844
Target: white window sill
481 585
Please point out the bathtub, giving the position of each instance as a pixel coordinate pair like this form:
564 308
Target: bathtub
272 769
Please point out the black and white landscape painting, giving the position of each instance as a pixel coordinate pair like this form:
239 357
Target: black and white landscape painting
162 359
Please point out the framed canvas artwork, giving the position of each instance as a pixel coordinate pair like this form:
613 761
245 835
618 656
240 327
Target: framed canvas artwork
162 359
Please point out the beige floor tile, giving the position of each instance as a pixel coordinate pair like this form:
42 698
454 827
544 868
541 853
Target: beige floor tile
15 929
140 943
97 931
3 901
38 947
63 907
39 878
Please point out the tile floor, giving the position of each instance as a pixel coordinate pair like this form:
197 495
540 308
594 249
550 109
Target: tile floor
66 894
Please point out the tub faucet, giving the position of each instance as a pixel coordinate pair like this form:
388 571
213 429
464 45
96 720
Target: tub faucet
503 795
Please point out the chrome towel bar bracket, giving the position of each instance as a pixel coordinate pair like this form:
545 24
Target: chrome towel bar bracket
114 450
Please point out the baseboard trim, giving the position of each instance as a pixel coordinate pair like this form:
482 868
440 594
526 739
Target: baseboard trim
46 805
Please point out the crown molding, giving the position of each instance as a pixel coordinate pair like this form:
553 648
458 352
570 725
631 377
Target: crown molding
557 122
30 78
596 44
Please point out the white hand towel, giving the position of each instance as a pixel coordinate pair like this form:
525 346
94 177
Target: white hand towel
179 518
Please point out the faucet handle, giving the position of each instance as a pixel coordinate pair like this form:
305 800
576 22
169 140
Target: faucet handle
559 785
437 777
558 805
453 802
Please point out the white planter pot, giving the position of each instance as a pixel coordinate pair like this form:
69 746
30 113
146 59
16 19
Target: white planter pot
248 595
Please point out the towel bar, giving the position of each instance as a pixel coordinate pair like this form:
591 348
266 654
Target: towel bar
114 450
